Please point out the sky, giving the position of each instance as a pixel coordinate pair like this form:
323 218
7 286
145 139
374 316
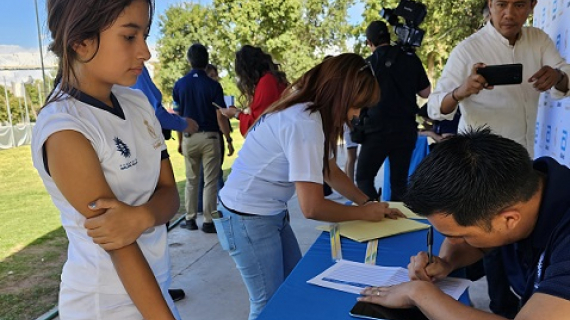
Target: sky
19 35
18 21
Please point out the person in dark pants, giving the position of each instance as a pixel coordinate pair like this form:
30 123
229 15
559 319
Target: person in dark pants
390 126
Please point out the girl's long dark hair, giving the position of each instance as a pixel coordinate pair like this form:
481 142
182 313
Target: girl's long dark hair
333 87
72 21
251 64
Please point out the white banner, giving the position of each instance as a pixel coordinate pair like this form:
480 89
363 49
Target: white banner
15 136
553 120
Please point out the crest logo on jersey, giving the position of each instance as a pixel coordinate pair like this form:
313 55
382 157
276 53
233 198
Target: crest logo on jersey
122 147
157 142
150 130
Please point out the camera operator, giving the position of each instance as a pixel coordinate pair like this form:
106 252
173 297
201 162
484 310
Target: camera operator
390 126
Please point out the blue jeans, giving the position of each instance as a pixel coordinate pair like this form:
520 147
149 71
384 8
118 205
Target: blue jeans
264 248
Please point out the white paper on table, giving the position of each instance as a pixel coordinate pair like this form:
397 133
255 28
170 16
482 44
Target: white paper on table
353 277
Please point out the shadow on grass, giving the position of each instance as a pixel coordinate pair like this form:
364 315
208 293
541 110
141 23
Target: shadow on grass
29 279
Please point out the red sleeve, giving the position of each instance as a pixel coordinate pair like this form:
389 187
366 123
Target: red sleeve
267 91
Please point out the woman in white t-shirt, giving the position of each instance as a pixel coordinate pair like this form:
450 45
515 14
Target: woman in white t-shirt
98 148
290 148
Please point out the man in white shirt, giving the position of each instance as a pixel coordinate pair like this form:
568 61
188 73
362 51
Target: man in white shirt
508 110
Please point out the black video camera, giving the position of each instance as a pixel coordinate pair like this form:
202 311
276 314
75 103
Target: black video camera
409 35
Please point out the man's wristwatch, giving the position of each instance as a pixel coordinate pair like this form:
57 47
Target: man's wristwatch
229 140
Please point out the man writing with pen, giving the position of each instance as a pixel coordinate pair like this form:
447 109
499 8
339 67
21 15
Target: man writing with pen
508 110
482 191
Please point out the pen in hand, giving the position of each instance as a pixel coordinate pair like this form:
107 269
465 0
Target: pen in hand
430 244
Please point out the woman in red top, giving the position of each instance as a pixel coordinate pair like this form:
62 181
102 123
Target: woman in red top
260 83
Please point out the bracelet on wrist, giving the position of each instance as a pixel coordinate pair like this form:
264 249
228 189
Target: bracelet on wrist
369 200
453 95
237 114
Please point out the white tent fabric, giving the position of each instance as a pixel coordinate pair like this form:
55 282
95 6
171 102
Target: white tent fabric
15 136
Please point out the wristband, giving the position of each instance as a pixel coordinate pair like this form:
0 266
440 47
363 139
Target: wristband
369 200
453 95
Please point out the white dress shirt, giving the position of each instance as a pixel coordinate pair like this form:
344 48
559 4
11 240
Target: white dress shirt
509 110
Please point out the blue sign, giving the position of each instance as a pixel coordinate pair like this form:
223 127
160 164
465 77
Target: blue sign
548 136
536 128
563 144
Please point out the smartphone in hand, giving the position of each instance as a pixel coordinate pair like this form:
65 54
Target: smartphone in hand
365 310
503 74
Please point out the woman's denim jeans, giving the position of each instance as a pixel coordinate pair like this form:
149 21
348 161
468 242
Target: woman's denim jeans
264 248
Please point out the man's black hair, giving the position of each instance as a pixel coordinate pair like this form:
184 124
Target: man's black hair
197 55
377 33
472 176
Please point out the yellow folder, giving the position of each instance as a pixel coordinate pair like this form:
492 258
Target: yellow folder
406 211
362 231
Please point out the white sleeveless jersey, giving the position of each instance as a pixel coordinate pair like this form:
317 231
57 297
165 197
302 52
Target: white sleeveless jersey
128 141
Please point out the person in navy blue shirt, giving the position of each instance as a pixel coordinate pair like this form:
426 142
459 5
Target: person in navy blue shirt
483 191
197 96
168 121
212 72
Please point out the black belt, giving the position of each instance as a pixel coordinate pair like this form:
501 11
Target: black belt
237 212
186 134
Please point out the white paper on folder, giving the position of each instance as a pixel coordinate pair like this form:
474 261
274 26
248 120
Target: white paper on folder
353 277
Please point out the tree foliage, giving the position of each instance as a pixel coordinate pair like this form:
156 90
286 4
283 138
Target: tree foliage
17 108
180 26
297 33
447 23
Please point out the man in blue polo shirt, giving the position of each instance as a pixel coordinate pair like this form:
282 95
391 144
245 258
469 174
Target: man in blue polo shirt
195 95
482 191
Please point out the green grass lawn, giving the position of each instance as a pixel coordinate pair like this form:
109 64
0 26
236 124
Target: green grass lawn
32 241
